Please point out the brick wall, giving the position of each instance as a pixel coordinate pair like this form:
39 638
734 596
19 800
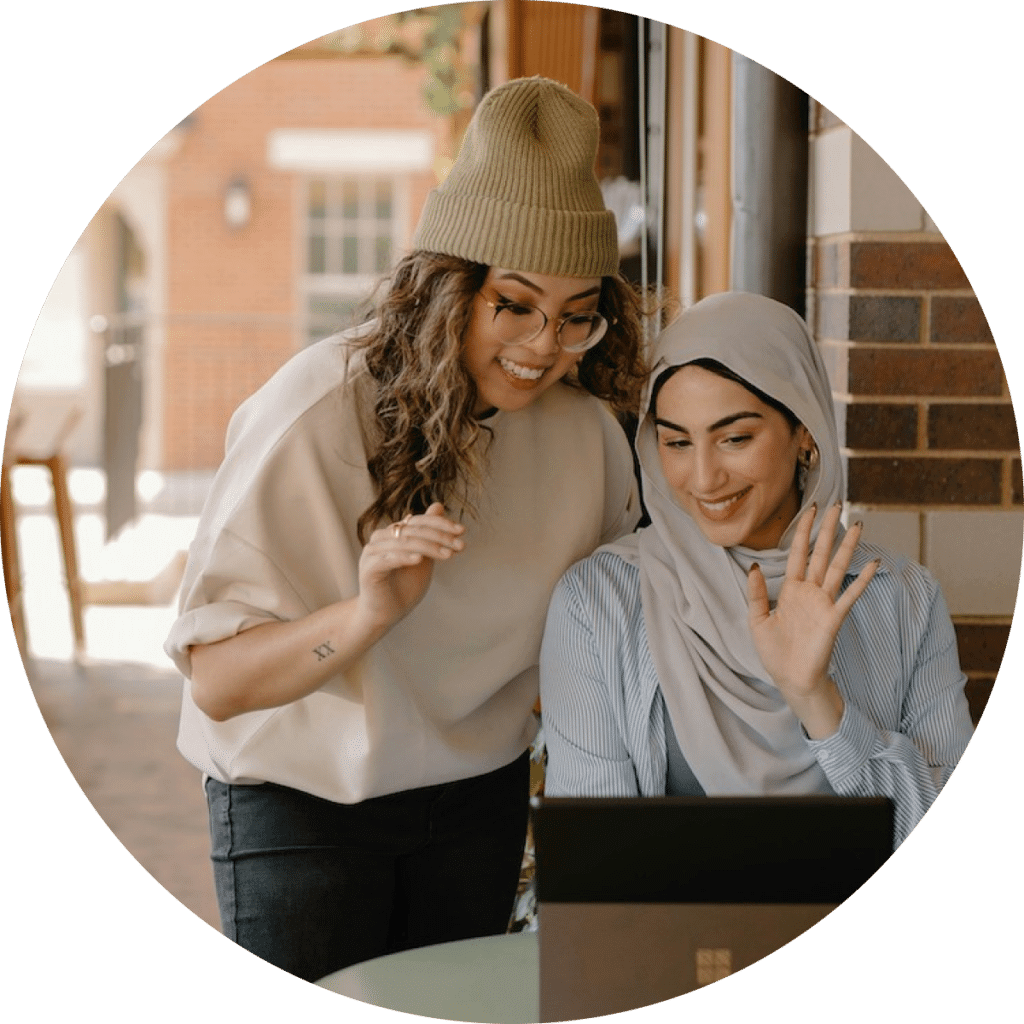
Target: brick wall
933 458
233 300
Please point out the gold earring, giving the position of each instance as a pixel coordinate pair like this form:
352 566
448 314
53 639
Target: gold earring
809 457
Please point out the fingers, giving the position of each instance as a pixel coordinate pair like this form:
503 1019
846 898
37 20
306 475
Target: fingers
857 587
825 570
821 559
433 519
822 554
757 596
431 535
435 528
833 581
796 564
817 565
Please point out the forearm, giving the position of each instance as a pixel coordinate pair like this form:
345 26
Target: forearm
279 662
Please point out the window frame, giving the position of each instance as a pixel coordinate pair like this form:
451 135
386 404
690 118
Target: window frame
333 281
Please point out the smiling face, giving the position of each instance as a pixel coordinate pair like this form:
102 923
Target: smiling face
729 459
510 377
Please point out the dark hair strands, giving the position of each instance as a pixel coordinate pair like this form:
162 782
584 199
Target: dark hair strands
721 370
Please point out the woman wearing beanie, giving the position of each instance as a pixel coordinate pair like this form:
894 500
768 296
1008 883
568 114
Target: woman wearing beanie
709 653
362 610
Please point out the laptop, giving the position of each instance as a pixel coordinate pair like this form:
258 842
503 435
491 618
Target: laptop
644 899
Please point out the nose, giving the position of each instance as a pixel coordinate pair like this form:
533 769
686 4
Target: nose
707 470
546 343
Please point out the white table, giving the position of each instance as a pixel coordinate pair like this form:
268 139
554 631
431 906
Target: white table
494 979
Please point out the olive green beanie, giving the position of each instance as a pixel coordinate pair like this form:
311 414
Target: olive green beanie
522 193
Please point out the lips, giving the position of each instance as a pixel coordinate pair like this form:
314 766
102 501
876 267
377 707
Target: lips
520 375
721 509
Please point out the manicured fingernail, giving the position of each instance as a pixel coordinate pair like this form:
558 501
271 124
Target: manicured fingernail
752 568
859 524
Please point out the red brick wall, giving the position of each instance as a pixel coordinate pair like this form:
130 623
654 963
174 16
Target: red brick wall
232 297
926 408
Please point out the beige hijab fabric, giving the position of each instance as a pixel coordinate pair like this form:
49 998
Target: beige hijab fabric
734 727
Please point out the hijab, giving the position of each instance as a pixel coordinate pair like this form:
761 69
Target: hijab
734 727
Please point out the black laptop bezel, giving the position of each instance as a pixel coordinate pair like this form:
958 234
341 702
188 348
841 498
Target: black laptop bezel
807 849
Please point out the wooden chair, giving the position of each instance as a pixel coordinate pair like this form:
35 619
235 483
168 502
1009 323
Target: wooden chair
9 535
54 460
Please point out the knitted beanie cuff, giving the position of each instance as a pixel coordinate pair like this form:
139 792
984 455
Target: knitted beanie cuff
517 237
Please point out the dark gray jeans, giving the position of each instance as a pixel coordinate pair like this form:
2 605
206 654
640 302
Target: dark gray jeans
313 886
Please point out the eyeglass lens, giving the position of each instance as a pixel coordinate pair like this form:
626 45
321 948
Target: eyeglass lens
519 324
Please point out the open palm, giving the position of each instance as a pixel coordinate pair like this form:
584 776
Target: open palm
795 639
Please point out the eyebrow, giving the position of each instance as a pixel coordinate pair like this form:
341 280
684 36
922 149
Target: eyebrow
596 290
725 421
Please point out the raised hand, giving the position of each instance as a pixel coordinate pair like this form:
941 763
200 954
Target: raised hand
795 640
397 564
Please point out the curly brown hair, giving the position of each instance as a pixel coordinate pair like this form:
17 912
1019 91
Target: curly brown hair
429 446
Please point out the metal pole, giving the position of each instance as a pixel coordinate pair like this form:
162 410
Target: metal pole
641 33
769 184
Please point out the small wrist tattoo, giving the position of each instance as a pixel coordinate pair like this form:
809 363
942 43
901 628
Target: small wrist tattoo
323 651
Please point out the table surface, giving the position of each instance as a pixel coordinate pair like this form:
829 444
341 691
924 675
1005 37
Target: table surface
494 979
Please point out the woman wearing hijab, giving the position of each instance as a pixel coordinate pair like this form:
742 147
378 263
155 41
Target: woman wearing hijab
743 642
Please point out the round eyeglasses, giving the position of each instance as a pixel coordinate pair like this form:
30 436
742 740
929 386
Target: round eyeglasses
517 323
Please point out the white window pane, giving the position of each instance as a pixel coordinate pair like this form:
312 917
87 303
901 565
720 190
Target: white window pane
383 200
350 242
317 254
382 262
350 255
350 200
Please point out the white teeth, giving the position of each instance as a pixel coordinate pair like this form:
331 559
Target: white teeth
522 372
719 506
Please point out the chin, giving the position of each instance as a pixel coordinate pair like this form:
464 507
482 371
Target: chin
502 403
723 538
511 400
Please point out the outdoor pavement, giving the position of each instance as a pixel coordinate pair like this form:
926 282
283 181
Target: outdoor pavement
113 710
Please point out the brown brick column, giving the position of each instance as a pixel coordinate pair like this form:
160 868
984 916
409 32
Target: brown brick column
924 411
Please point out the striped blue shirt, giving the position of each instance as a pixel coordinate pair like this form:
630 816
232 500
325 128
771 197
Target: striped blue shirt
904 728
